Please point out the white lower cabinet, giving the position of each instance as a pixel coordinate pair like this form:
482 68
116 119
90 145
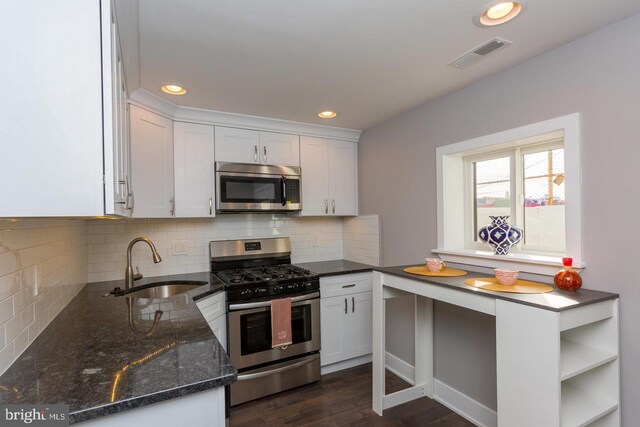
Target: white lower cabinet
345 317
214 311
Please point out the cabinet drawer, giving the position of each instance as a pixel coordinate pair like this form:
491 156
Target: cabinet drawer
212 306
344 285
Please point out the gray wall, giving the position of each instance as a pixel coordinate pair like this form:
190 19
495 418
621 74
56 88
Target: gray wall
599 77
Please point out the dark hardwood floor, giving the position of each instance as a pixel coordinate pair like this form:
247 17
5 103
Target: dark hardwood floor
341 399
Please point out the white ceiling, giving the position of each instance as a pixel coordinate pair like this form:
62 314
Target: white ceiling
367 59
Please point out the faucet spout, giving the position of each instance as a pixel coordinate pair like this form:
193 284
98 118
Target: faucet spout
128 278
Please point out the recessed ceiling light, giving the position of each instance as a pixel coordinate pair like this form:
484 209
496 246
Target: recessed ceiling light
498 12
174 89
327 114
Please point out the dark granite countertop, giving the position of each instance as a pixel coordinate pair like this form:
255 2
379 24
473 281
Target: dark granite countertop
556 300
99 360
336 267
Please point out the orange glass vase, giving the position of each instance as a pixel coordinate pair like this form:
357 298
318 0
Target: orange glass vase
567 279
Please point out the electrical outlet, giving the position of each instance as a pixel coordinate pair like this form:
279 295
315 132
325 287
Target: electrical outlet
316 241
179 247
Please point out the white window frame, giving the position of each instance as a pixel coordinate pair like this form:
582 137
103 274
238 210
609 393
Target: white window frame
452 200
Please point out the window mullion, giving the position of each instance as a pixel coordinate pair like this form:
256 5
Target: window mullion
518 199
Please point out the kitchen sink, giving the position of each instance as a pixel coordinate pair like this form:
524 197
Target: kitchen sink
163 289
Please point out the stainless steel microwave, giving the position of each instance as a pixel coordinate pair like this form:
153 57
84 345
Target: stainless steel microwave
247 187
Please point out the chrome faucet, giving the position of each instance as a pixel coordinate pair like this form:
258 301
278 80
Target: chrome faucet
129 276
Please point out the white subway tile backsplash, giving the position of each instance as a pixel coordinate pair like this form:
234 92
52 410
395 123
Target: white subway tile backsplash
361 237
111 246
43 265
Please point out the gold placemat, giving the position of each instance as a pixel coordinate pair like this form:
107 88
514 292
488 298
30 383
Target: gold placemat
520 287
424 271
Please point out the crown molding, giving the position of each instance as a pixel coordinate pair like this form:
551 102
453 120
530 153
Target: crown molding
148 100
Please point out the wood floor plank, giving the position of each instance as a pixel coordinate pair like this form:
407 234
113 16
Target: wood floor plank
342 399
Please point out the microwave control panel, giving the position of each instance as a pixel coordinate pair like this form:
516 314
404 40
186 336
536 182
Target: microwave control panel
293 191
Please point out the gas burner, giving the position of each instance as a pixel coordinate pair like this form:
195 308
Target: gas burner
259 275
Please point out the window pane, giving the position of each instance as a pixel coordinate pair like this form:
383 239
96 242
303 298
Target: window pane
492 187
544 200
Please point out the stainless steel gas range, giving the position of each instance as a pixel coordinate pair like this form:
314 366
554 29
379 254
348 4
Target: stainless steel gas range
256 272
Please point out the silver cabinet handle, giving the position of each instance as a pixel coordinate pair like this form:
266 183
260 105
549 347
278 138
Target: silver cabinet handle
125 197
264 154
353 304
345 306
133 199
333 206
210 205
255 153
349 286
326 206
173 206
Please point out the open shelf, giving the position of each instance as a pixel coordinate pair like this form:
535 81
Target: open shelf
578 358
580 408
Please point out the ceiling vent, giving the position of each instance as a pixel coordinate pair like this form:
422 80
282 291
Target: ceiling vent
479 52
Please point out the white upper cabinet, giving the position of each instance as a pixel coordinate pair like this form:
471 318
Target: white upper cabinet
63 121
237 145
118 153
329 177
193 153
279 149
151 164
251 146
51 109
314 161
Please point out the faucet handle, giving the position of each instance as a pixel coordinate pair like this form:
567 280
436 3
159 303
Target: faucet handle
137 275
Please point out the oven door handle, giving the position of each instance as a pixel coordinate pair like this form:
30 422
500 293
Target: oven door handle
268 303
306 361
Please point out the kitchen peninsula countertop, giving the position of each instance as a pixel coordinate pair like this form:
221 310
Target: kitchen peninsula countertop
336 267
97 359
556 300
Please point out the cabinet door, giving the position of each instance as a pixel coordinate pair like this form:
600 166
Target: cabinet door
314 161
360 324
237 145
333 330
151 164
279 149
51 110
193 150
343 178
219 328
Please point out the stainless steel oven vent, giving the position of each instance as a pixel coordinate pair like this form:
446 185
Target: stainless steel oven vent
479 52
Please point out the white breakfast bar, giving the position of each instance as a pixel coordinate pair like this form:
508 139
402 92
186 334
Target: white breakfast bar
556 353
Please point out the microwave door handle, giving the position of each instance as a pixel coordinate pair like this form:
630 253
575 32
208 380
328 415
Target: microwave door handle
283 182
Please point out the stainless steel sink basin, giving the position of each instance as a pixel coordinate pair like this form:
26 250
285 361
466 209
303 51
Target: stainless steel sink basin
164 290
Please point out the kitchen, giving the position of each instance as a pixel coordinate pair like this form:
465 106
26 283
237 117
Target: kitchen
46 262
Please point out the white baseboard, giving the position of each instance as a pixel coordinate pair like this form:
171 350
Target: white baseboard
345 364
400 368
458 402
463 405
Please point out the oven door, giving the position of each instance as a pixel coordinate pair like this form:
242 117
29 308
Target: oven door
250 331
240 191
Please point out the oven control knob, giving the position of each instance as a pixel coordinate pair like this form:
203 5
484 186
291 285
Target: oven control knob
246 293
277 289
308 285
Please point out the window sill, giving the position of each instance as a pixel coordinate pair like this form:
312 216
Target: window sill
536 264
